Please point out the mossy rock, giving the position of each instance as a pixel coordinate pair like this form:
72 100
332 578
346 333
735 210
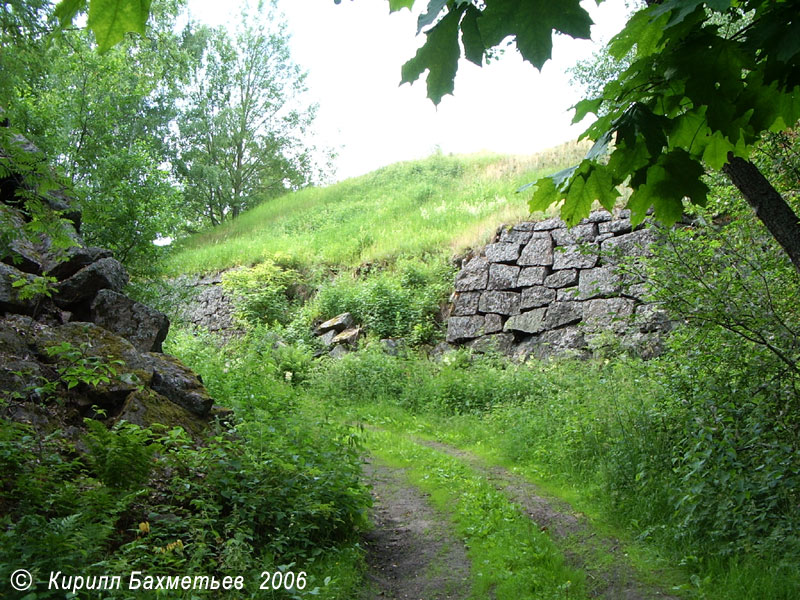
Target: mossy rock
146 407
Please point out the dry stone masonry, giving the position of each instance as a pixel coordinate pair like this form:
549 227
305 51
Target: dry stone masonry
541 289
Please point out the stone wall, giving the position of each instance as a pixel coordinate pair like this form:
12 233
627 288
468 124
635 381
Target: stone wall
541 289
205 304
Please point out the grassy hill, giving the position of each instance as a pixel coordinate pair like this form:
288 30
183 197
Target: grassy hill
442 203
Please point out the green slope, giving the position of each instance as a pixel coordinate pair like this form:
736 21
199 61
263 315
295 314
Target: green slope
442 203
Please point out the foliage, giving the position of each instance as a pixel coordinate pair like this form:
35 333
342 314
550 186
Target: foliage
261 294
109 20
668 113
401 302
103 119
239 136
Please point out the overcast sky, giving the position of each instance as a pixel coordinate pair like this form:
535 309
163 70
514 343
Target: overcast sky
353 53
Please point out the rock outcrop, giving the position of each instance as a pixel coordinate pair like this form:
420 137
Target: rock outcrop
542 289
72 345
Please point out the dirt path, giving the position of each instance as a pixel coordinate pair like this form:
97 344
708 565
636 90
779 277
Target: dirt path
411 554
609 573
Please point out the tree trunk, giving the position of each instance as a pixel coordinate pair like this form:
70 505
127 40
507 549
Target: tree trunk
768 204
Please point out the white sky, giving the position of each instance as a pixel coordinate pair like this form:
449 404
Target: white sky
353 53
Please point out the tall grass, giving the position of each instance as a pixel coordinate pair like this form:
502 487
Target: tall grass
452 202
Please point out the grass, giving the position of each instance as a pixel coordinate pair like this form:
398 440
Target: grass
442 203
511 558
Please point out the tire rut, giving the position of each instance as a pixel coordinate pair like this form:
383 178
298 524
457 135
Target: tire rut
615 579
411 553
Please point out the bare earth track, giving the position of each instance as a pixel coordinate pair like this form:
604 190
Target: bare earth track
411 554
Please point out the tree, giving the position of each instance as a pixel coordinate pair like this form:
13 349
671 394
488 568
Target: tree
239 133
103 118
706 80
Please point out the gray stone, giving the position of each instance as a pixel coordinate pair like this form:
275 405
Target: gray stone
178 383
538 252
563 313
327 337
502 343
600 281
567 294
649 318
524 226
106 273
144 327
393 346
617 226
598 216
502 252
607 314
572 257
504 303
575 235
465 304
464 328
537 296
569 340
75 258
514 236
474 275
531 276
10 300
338 323
527 322
548 224
493 323
338 352
561 279
636 243
502 277
348 337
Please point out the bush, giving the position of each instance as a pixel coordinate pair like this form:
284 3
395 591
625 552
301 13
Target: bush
261 294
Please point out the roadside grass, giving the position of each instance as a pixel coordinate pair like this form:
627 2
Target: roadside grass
410 208
511 559
587 432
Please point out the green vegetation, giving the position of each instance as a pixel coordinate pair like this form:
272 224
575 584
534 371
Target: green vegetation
441 204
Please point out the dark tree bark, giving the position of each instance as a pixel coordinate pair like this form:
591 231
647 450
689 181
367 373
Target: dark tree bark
768 204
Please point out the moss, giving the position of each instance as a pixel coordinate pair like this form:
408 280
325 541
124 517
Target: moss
146 407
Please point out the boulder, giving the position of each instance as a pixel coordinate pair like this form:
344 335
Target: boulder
504 303
75 259
573 257
465 304
514 236
531 276
10 300
502 277
537 296
338 323
607 314
348 337
598 282
538 252
502 343
578 234
531 321
145 327
327 337
563 313
474 275
548 224
502 252
106 273
464 328
560 279
636 243
144 407
493 323
177 382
